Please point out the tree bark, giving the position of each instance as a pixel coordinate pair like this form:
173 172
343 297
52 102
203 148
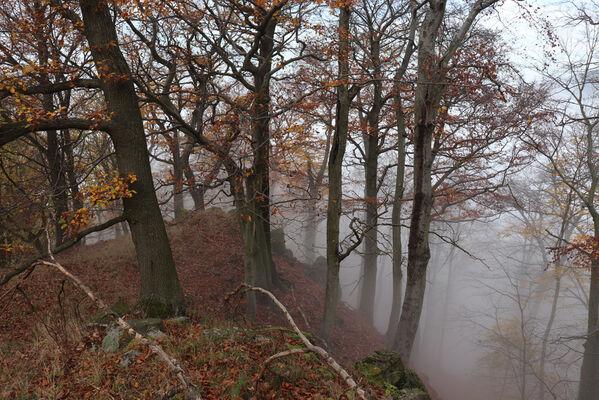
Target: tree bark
160 292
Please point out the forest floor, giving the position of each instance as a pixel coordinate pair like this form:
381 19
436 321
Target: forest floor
47 348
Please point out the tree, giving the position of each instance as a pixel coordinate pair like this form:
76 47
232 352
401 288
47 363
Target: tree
345 95
570 149
160 292
431 77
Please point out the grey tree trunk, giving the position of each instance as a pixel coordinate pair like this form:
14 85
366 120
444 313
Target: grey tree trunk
160 291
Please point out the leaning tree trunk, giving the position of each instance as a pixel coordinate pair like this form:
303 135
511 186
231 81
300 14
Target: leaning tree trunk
335 165
160 291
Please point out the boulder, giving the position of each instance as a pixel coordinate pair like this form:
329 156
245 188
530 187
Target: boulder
385 369
116 337
112 340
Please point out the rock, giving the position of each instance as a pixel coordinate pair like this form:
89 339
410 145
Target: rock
385 369
102 317
111 341
116 337
128 358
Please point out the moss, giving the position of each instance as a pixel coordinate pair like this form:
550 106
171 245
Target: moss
386 370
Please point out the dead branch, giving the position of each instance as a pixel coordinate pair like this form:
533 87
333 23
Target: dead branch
309 346
173 364
274 357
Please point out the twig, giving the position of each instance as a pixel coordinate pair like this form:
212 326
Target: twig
174 365
311 347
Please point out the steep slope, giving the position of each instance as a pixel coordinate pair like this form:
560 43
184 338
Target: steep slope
48 352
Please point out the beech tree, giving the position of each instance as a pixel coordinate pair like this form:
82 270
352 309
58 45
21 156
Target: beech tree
160 292
431 78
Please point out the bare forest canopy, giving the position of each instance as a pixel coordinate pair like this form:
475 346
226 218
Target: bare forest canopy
431 164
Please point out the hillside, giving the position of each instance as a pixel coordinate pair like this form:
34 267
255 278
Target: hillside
47 350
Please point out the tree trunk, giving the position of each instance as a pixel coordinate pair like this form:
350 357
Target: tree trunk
396 218
335 165
426 103
178 200
369 260
71 175
160 292
197 191
259 180
58 184
430 86
589 372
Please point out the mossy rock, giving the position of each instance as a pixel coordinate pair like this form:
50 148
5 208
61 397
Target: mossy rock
386 370
102 317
